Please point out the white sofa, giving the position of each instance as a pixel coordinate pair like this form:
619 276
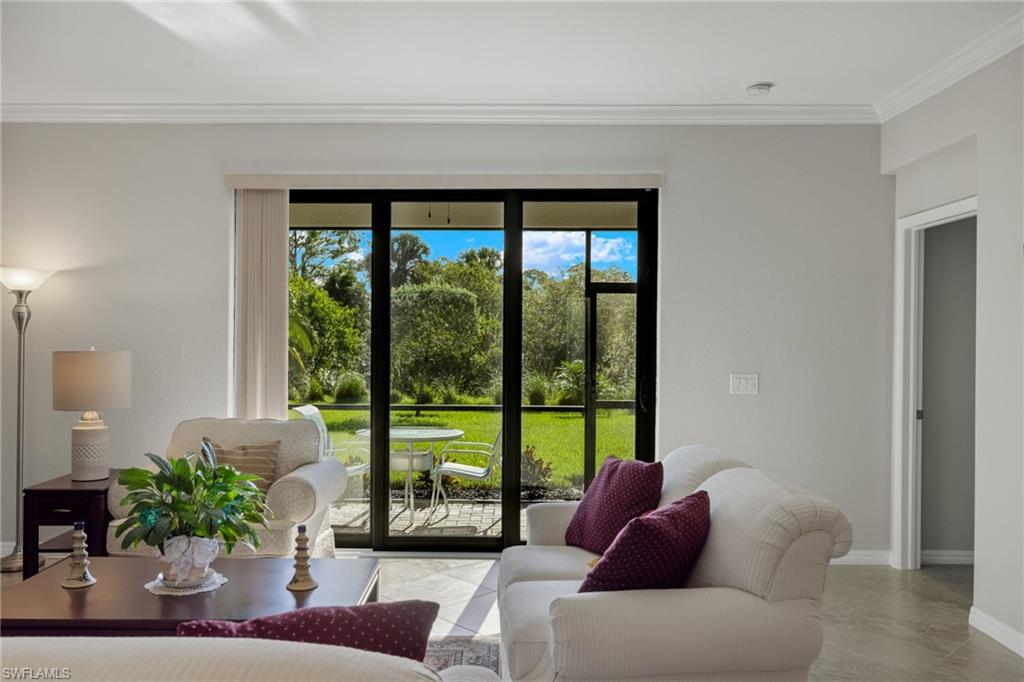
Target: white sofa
198 659
307 482
750 609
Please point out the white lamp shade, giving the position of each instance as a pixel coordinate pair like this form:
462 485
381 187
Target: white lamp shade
92 380
23 279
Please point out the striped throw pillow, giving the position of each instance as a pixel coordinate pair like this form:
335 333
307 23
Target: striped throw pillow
256 458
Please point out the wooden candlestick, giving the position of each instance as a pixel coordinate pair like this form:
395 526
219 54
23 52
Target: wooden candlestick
79 575
302 581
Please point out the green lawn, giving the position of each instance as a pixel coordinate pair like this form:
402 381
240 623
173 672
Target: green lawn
557 436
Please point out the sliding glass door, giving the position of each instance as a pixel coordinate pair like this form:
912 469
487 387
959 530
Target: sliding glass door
580 266
471 352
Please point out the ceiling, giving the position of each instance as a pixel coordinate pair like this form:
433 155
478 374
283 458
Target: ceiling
282 58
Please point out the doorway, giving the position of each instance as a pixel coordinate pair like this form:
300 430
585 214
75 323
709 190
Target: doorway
909 411
947 393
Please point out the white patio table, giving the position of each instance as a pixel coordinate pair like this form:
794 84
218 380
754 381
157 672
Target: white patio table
413 460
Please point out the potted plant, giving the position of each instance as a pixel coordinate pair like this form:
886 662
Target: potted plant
186 509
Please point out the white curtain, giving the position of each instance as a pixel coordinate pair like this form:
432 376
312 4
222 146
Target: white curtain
261 303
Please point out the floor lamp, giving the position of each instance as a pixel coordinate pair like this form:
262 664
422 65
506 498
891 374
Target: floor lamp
21 282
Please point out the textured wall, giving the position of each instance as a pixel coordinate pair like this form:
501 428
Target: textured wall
776 257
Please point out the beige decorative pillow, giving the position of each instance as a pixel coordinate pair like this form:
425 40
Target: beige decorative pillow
257 458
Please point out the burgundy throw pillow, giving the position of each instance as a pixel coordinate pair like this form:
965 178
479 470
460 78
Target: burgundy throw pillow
398 628
656 550
621 491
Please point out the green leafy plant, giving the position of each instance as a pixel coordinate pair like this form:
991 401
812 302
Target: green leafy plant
569 383
351 388
191 496
536 472
316 392
535 389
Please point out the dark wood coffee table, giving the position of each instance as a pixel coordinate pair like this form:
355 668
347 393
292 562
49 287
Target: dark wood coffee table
119 605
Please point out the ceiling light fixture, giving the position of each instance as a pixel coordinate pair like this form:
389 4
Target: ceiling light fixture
760 89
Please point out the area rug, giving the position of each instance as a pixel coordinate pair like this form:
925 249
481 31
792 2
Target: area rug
444 653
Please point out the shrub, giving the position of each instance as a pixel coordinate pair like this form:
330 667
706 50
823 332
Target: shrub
396 396
535 389
351 388
497 392
535 471
315 393
422 394
449 394
570 380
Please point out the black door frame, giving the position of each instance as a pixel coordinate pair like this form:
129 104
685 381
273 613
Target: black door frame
380 344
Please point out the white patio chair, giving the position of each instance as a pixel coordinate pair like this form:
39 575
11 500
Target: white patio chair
490 451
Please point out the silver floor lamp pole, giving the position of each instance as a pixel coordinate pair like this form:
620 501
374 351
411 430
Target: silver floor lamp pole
21 282
22 314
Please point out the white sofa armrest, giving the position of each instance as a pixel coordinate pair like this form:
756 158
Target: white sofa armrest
306 491
115 493
670 633
546 522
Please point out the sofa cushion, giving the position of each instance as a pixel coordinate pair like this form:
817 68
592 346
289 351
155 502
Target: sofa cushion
689 466
526 626
395 628
522 563
656 550
259 459
621 491
300 439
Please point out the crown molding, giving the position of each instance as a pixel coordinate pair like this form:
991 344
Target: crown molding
996 43
727 114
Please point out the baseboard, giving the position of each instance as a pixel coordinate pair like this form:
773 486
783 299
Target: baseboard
948 557
864 557
997 630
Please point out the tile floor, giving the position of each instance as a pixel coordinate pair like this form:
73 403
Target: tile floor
880 623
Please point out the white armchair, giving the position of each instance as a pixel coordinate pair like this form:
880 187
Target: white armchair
750 609
307 482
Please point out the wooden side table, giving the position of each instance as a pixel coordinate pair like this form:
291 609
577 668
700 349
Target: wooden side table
61 502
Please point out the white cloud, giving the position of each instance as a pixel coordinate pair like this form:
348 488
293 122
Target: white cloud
552 252
613 250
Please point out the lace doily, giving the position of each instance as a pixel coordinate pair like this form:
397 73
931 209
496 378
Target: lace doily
157 586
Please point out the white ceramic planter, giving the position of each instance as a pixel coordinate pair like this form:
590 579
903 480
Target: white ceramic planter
185 561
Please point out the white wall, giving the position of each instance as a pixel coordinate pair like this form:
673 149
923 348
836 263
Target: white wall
776 257
987 107
947 433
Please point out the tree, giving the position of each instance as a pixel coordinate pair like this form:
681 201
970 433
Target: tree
312 252
408 250
330 342
435 337
479 271
554 318
342 284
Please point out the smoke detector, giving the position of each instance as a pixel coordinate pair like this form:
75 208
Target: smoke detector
760 89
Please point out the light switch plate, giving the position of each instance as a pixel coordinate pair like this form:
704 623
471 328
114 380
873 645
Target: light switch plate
743 383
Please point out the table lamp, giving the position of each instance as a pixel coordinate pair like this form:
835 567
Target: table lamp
88 381
21 282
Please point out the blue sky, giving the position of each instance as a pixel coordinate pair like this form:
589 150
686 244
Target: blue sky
549 251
